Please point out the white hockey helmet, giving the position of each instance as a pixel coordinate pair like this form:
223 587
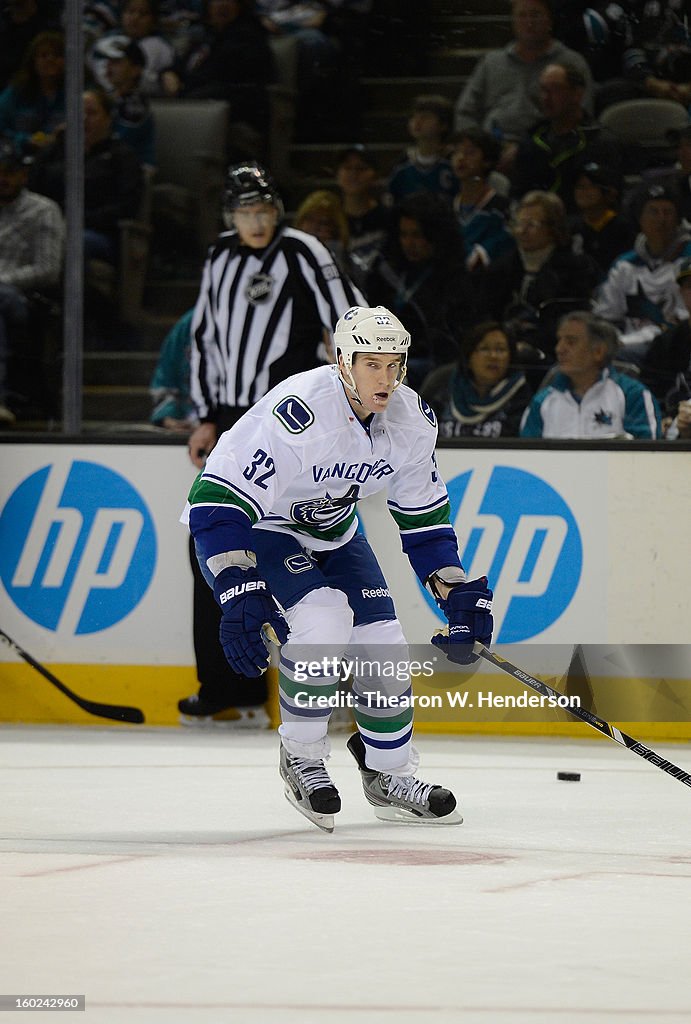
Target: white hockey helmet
369 329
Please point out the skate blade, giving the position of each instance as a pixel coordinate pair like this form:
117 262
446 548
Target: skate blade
323 821
403 817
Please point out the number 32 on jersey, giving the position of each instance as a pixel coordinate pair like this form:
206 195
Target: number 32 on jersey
260 469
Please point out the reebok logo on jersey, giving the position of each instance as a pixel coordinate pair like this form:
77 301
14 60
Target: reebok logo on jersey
242 588
376 592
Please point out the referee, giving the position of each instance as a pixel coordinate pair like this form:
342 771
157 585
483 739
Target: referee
269 297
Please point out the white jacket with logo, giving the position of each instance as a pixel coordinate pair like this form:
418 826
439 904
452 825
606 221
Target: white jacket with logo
615 406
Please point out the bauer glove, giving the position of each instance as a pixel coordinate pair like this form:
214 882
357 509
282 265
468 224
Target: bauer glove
247 607
468 607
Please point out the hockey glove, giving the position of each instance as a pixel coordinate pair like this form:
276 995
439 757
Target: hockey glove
468 607
247 606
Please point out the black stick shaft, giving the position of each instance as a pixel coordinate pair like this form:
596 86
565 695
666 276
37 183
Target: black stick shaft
114 711
603 727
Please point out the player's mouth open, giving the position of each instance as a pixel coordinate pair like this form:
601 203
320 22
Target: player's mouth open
381 396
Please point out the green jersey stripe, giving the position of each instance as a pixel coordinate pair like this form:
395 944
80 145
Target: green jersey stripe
409 521
203 492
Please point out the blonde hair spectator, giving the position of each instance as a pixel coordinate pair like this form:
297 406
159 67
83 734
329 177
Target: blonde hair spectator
321 214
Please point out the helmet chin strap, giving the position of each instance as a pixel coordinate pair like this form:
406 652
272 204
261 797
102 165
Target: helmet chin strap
349 384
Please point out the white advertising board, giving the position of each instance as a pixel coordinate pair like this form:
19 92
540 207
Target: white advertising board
579 546
93 560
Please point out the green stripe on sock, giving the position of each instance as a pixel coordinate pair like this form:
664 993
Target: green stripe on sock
291 688
383 724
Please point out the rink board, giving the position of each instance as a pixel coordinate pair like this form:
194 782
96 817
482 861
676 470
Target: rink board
581 547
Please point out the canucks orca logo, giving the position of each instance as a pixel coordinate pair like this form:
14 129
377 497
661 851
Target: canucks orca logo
327 512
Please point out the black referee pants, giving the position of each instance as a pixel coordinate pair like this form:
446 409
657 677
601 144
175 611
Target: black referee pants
217 680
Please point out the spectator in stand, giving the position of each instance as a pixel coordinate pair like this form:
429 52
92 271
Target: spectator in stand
482 213
368 219
98 18
230 60
601 31
550 155
526 288
636 48
20 22
321 214
173 408
666 366
586 397
640 294
177 19
133 121
678 176
318 54
426 166
31 250
112 178
138 24
598 229
481 395
421 277
501 93
32 107
659 59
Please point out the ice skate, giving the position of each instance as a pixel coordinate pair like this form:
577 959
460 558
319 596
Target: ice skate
309 789
197 712
404 798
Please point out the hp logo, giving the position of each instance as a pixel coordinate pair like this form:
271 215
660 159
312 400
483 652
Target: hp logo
515 528
77 548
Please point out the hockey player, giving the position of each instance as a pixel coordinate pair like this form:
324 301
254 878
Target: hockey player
273 515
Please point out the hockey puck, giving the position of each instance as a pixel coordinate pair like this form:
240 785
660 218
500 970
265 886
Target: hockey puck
569 776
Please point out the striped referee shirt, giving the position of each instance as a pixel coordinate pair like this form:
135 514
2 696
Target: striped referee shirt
260 316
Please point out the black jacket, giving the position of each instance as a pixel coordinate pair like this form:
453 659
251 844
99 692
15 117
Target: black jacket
668 356
509 296
113 182
553 162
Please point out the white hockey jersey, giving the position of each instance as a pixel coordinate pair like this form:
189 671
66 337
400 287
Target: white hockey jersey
300 459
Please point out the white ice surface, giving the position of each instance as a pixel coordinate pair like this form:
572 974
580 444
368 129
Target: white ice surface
163 874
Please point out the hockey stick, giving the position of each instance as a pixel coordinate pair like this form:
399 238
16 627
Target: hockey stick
604 728
114 711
